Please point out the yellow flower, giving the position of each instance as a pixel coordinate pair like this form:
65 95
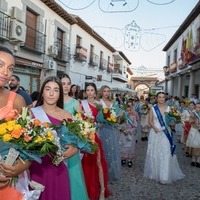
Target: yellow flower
17 126
10 125
3 129
38 139
7 137
50 136
105 110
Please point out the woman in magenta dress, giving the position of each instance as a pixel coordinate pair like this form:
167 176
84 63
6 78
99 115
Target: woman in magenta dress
49 109
94 165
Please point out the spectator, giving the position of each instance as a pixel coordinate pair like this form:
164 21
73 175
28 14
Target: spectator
14 85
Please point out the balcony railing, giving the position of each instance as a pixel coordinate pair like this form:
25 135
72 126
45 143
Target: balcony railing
110 68
94 60
35 40
61 52
81 54
103 64
117 71
4 26
173 67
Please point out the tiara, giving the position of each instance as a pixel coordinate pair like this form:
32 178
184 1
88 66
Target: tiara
160 91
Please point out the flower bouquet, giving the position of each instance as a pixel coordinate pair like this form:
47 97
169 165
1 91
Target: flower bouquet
31 138
172 117
107 115
78 131
144 109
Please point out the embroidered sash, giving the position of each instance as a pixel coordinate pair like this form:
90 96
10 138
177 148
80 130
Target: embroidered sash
166 132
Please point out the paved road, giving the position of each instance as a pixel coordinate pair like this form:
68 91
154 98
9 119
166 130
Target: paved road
132 185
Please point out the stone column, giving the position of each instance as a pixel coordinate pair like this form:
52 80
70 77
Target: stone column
179 89
191 84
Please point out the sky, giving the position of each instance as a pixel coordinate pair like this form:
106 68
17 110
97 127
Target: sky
155 25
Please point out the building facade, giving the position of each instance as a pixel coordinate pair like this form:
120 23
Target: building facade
46 40
182 68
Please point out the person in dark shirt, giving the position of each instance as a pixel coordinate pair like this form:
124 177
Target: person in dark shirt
14 85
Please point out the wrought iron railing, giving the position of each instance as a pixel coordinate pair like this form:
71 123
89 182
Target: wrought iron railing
4 26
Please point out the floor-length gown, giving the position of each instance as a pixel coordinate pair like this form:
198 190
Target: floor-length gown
109 135
75 170
54 178
160 165
95 169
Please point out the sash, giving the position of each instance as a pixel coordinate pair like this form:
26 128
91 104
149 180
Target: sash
162 123
86 108
197 115
40 114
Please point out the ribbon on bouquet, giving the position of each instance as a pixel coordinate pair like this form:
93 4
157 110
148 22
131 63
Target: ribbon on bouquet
168 135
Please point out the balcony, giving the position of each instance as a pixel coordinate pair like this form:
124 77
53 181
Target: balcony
60 52
110 68
4 26
94 60
81 54
173 67
103 64
35 40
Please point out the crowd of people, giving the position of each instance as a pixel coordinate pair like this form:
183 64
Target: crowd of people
85 175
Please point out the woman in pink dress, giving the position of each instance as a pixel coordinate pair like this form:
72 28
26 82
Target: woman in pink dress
49 108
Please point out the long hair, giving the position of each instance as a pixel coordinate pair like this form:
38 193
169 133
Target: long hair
71 93
100 92
64 76
91 84
55 80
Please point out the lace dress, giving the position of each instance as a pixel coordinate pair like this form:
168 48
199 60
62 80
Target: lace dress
109 135
160 165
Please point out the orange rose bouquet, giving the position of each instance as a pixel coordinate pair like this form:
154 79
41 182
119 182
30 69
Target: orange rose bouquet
29 136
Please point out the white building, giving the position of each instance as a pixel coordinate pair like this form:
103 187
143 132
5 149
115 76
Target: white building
182 68
47 40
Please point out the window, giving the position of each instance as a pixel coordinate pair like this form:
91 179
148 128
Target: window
60 36
175 56
168 61
31 33
198 35
78 40
91 52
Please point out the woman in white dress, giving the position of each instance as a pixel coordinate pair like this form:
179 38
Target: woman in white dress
161 163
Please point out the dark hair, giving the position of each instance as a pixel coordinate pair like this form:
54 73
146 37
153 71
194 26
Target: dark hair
192 102
71 93
64 76
161 92
34 95
16 77
6 50
55 79
91 84
80 94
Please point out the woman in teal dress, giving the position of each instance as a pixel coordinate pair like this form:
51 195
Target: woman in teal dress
77 181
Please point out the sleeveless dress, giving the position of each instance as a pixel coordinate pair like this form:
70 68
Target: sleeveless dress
160 165
95 169
54 178
109 135
8 193
75 170
8 110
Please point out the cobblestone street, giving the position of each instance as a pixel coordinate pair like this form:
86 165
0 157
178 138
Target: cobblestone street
132 185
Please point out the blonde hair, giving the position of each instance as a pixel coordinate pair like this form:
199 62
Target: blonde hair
100 92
